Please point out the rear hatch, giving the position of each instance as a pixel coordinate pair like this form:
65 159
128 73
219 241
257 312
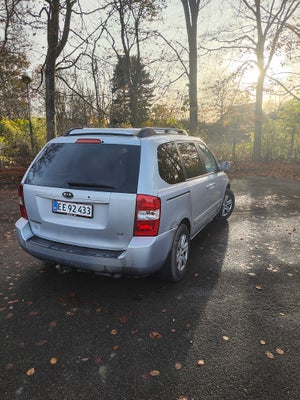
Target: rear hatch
82 191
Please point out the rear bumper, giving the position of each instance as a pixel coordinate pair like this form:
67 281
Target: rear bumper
144 255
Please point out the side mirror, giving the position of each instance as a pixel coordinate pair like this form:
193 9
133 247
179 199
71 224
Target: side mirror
224 165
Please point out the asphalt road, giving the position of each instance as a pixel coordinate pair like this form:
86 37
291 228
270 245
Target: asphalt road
230 330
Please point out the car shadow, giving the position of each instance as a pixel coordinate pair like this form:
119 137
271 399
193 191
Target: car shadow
111 336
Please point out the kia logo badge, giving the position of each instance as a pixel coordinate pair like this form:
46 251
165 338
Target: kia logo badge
68 195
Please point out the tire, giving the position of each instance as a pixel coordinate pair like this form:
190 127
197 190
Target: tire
227 205
176 264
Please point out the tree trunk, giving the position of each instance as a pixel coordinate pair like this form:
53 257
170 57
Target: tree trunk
191 11
193 87
50 100
256 155
52 37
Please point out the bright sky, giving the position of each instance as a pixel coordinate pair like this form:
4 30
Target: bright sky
172 24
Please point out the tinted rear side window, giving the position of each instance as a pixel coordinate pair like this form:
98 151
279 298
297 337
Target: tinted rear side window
169 164
102 167
191 160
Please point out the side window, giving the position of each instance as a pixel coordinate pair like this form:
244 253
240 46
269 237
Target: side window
191 160
207 158
169 164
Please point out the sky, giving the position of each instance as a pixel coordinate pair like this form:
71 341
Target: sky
216 16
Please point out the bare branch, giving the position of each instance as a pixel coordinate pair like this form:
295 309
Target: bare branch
290 91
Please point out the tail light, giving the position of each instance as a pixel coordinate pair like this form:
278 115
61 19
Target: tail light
21 202
147 215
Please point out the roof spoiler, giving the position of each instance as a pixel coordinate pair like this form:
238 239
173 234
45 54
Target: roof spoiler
139 132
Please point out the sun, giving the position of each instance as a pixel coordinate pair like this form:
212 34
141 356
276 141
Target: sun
249 73
250 76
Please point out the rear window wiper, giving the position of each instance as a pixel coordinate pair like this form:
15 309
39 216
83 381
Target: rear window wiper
90 185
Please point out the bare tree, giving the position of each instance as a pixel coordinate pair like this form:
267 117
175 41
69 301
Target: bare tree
13 60
56 44
10 22
267 21
131 14
270 24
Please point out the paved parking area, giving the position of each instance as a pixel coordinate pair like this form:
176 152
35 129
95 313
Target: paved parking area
230 330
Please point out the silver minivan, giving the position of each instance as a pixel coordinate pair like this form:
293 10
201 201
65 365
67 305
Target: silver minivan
121 201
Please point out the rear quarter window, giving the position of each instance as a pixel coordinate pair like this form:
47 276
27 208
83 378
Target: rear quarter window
100 167
169 164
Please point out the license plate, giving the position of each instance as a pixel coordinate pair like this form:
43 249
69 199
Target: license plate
75 209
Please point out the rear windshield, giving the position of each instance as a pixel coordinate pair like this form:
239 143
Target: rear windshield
86 166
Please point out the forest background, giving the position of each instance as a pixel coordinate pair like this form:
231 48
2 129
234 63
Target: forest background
225 71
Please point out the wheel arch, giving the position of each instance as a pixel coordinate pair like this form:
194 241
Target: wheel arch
186 222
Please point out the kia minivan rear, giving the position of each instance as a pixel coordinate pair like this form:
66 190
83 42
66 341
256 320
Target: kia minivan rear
100 200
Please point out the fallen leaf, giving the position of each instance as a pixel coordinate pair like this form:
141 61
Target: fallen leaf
72 298
155 335
116 347
200 362
97 360
41 343
225 338
258 287
154 372
269 354
123 319
13 301
69 313
114 332
30 372
33 314
85 359
262 342
178 366
53 360
279 351
182 398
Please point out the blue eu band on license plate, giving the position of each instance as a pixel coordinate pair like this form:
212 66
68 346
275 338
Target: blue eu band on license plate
75 209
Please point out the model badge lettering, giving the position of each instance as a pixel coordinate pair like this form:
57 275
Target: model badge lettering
68 195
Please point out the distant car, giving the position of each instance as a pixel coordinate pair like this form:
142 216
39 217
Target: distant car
121 201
